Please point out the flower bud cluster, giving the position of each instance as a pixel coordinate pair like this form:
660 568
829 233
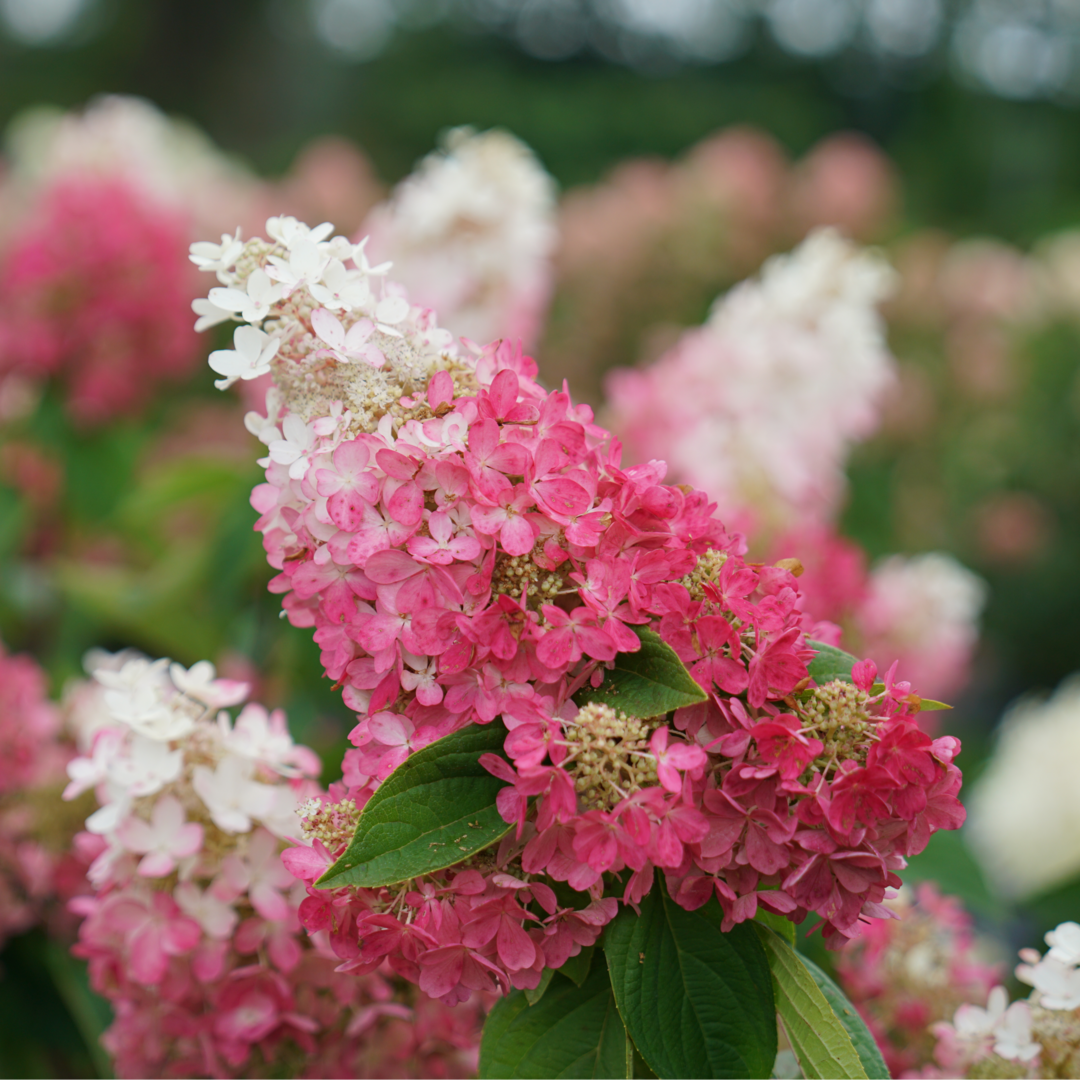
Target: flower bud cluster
192 932
473 549
905 973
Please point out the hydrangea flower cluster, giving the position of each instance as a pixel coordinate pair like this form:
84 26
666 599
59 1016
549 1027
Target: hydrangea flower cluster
759 405
466 546
471 233
94 289
95 294
906 973
192 931
35 863
1039 1037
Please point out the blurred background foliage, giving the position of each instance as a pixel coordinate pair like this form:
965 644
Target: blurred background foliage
989 150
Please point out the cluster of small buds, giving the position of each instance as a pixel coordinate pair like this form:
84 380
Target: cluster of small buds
1039 1037
192 931
906 973
38 868
609 754
419 510
471 233
759 406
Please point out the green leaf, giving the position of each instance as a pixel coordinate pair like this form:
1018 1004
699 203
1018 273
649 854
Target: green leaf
435 809
830 663
778 924
925 704
92 1014
532 996
861 1039
650 682
639 1068
818 1038
696 1001
577 968
574 1031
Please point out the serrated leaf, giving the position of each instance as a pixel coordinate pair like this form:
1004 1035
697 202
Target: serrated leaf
830 663
650 682
865 1045
573 1031
696 1001
435 809
818 1038
577 968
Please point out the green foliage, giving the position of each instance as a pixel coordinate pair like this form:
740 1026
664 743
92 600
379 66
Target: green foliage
435 809
818 1038
650 682
573 1031
577 968
785 928
696 1001
830 663
858 1032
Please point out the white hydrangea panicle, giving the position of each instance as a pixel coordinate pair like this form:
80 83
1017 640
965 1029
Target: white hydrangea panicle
1024 810
924 610
760 404
471 234
170 770
326 324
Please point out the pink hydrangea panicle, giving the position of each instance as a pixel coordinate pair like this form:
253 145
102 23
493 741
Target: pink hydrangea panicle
193 930
38 869
468 549
96 295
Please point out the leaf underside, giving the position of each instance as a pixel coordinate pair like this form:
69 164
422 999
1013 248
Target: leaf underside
818 1038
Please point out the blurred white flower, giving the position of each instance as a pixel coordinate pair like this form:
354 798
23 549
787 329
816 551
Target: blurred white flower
1024 811
759 406
471 234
